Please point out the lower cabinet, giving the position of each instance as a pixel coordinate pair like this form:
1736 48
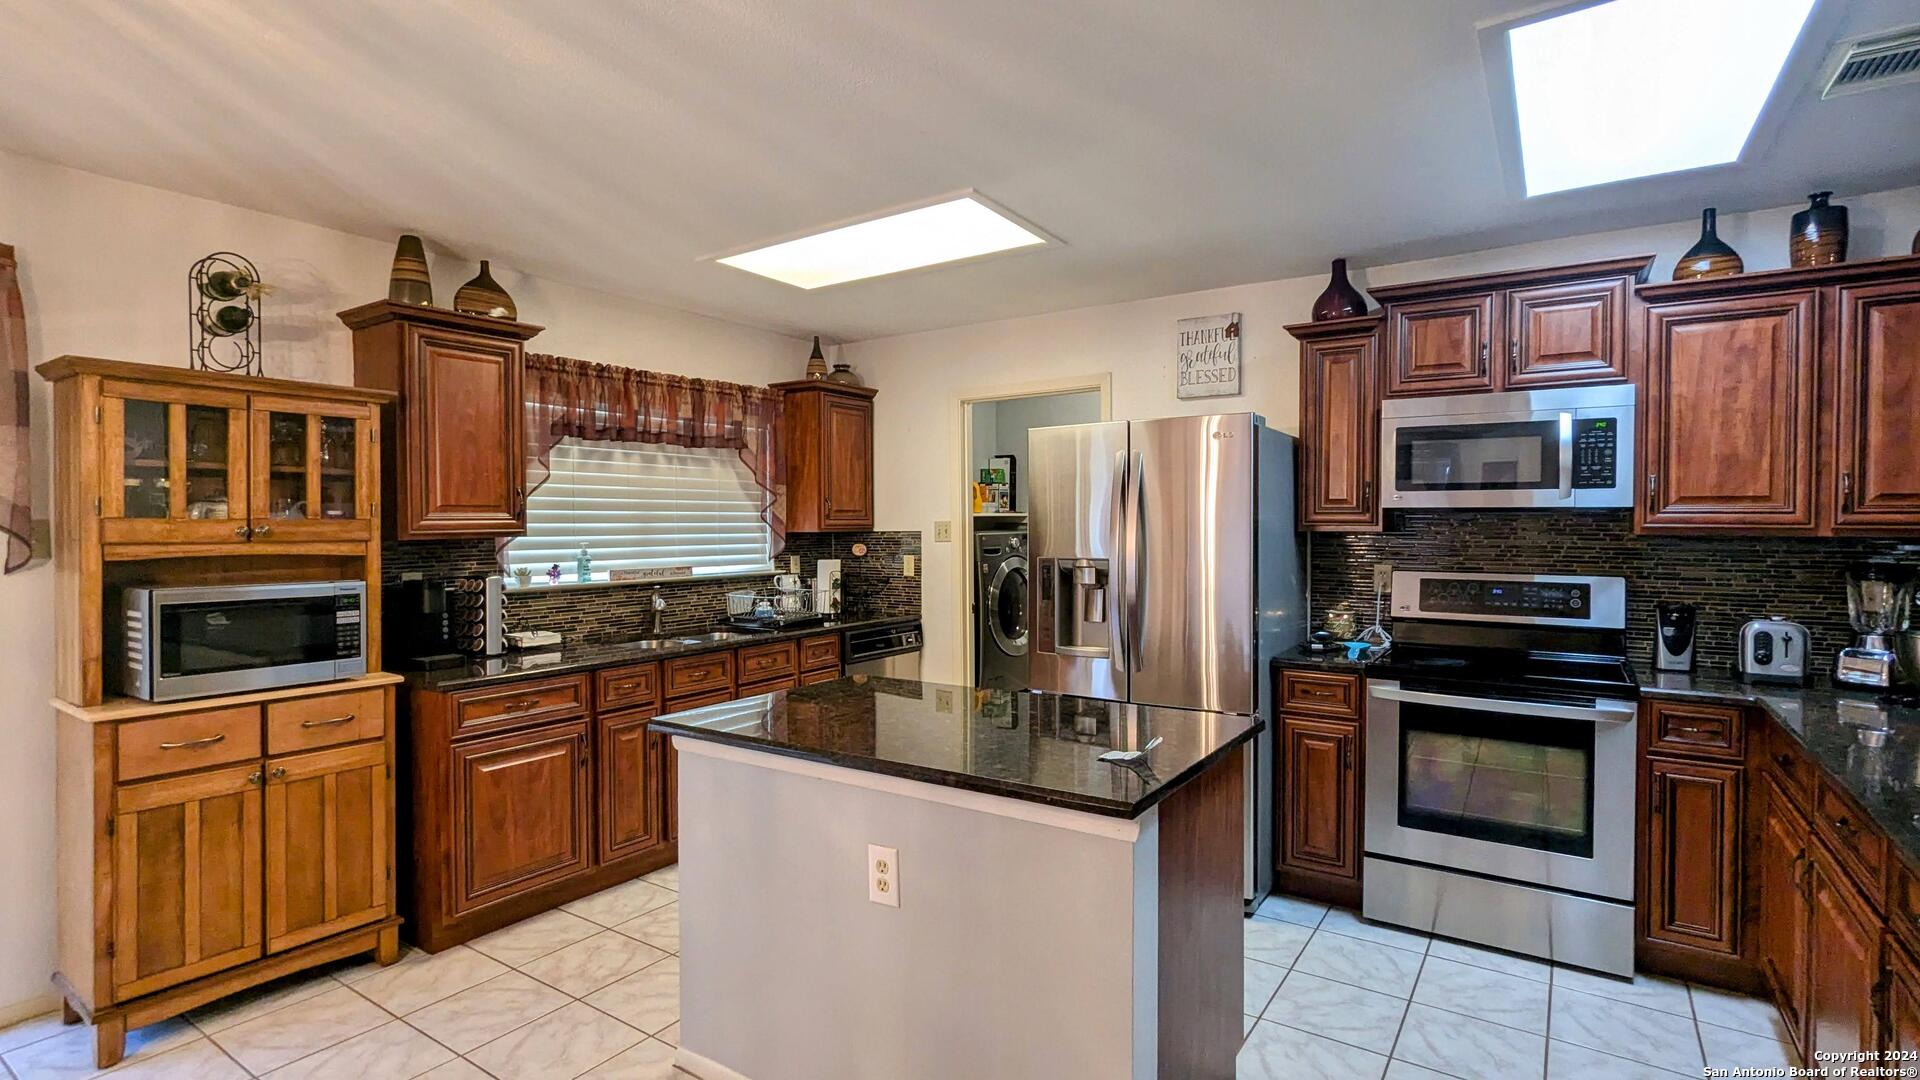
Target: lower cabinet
327 815
1693 854
1843 940
521 811
669 768
1320 811
1903 1002
1780 875
631 806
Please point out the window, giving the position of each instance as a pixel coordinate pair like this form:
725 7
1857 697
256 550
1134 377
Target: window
639 506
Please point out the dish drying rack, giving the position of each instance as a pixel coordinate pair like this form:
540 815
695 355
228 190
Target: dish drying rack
772 609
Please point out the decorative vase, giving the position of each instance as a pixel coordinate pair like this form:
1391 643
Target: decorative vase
1341 299
817 363
1709 256
1819 236
484 296
843 374
410 283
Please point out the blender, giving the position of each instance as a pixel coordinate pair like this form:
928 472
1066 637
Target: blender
1879 598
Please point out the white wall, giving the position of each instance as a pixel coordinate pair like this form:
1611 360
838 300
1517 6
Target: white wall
1000 428
103 272
922 377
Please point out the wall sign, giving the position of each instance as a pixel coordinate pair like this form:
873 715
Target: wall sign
1209 356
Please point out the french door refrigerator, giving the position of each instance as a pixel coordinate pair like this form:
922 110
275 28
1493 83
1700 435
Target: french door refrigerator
1165 570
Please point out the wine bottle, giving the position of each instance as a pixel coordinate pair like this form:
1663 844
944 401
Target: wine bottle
227 321
227 284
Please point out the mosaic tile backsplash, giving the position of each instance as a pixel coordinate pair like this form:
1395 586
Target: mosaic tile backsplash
871 585
1731 579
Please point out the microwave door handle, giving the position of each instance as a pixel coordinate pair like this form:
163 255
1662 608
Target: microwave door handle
1566 457
1613 712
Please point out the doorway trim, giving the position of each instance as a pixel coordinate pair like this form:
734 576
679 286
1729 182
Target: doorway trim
961 583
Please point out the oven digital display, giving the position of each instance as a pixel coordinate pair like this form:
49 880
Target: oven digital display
1464 596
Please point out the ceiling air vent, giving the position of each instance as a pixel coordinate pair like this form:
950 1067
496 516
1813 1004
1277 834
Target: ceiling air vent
1875 62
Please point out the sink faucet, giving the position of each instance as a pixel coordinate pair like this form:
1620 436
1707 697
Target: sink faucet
659 610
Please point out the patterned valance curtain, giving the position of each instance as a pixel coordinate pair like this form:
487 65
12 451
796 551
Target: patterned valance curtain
567 397
16 443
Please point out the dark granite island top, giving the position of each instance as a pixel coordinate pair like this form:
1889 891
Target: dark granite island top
1037 747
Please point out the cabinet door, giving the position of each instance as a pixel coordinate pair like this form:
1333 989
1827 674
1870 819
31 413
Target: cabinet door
1321 813
1844 941
520 812
1693 854
1728 417
1903 1004
312 470
846 433
1441 346
464 472
327 847
669 762
173 464
1340 406
1780 851
186 878
630 790
1567 334
1877 397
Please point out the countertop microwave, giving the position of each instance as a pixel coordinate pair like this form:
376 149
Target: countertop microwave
223 639
1565 448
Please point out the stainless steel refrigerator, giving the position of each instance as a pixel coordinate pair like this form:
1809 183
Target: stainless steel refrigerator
1165 570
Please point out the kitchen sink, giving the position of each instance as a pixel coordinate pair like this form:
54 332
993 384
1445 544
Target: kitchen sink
710 638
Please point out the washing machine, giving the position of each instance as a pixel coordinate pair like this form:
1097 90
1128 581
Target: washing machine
1000 610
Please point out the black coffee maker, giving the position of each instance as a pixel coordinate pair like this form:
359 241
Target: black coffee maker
1673 644
415 621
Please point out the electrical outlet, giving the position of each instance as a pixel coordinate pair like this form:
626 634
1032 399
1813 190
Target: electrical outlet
883 875
943 532
1383 577
943 701
909 565
793 564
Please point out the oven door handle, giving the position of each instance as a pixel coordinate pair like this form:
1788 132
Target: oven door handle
1605 712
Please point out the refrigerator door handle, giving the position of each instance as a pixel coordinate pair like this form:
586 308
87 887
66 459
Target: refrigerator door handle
1117 524
1136 563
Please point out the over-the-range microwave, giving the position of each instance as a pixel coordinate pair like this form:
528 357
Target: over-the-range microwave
221 639
1567 448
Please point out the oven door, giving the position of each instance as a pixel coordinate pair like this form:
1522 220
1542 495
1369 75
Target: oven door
1523 790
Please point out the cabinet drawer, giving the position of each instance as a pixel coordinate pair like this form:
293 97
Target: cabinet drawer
1790 767
1329 695
1858 842
760 663
808 678
1702 730
170 744
621 687
700 701
1903 903
497 707
327 720
784 682
687 676
820 652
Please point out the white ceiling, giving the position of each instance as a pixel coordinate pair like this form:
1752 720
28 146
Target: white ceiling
1172 146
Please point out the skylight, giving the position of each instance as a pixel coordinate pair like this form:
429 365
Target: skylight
1635 88
963 227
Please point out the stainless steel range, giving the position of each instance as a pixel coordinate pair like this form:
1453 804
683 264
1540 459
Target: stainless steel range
1501 741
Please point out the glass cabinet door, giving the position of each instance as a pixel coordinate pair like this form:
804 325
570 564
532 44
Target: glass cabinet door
310 470
174 465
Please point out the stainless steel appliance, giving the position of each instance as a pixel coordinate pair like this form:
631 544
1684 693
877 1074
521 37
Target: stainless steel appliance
1674 626
220 639
1000 610
891 651
1500 753
1569 448
1773 650
1166 571
1879 604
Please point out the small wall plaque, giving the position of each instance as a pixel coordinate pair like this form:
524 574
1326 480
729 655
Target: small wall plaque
1209 356
651 573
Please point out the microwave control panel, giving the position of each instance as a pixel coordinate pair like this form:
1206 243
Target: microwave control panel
1595 452
346 625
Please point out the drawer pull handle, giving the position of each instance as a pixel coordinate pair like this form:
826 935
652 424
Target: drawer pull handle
624 687
522 705
191 743
327 723
1844 824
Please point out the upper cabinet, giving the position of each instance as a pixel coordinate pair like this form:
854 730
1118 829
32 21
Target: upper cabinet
1783 401
454 456
829 456
1515 330
1340 417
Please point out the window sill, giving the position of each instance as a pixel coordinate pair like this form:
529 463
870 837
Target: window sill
539 583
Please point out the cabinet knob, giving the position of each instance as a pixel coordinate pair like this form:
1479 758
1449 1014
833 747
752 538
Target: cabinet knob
262 530
1846 490
279 772
242 531
254 777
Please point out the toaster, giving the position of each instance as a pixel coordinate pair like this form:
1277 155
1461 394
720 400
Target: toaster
1773 650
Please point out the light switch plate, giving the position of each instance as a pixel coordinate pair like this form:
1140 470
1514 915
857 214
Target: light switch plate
943 532
909 565
883 875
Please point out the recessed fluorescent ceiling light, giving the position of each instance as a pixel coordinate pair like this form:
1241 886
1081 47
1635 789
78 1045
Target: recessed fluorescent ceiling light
1580 83
959 228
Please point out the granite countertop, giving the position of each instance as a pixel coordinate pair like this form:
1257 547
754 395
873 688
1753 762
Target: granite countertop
1037 747
1836 727
566 659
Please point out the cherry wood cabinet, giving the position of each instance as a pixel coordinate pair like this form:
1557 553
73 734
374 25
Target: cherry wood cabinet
1320 803
1441 345
1876 397
631 796
1567 333
1340 424
1903 1002
1693 858
829 456
520 812
1780 857
1844 975
454 453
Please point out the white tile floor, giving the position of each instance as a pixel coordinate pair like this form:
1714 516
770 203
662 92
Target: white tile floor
593 990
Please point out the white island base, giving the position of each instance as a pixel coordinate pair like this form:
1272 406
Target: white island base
1030 941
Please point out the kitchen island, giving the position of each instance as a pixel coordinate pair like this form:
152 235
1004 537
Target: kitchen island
1048 913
